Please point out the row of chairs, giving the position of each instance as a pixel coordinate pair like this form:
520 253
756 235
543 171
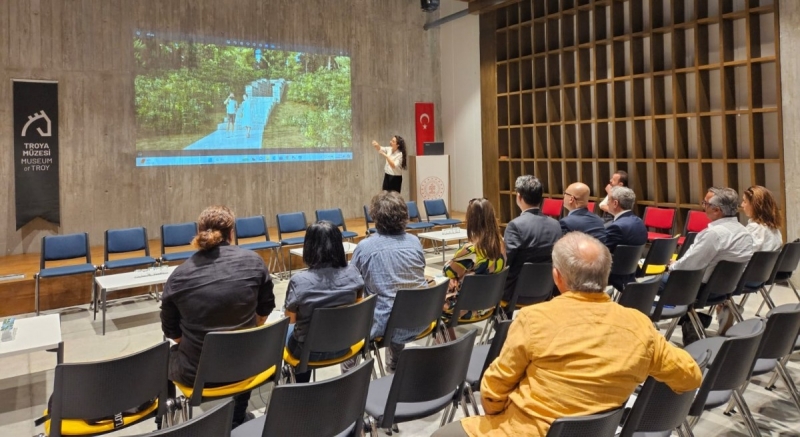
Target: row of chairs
433 208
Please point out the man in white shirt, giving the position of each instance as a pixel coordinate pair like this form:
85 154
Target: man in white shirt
618 179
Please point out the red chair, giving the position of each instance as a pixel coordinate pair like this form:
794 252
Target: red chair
552 208
696 221
660 219
591 206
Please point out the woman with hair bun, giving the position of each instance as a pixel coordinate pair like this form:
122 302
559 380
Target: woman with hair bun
220 288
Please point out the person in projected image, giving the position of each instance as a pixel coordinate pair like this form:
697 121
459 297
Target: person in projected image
230 107
245 113
396 157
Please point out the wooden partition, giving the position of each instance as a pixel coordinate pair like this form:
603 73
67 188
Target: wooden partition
681 94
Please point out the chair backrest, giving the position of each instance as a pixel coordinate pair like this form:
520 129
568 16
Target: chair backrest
180 234
724 280
414 308
552 207
696 221
595 425
429 373
251 227
681 289
660 253
687 243
367 217
231 356
658 408
500 335
534 283
790 258
659 218
126 240
105 388
625 259
413 211
62 247
592 207
759 268
435 207
290 222
732 365
640 295
336 329
333 215
479 292
215 422
336 403
783 324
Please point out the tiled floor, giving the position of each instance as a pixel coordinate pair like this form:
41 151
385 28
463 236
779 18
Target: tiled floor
26 381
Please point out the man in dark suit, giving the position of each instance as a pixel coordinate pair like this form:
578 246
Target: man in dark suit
579 218
625 229
531 236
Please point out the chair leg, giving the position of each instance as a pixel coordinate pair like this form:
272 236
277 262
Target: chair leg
452 412
696 323
379 361
767 300
730 410
186 409
734 309
771 384
750 422
373 427
671 328
473 401
684 430
793 288
691 422
445 413
787 379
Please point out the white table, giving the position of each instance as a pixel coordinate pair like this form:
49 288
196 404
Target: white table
40 333
124 281
349 248
444 236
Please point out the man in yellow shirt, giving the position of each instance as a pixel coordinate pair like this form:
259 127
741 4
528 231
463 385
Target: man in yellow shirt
578 354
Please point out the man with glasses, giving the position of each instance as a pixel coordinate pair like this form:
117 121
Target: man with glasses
725 239
579 218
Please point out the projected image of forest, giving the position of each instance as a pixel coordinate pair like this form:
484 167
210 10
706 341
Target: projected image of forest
202 96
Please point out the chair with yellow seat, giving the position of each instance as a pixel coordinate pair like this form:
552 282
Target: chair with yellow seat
659 255
477 293
534 285
331 330
412 309
105 396
235 362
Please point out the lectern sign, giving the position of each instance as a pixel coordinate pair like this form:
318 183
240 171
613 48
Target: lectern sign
36 151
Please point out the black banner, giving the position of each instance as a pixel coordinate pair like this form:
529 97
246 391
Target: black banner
36 151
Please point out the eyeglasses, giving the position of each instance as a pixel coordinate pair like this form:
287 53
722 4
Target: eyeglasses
705 204
568 194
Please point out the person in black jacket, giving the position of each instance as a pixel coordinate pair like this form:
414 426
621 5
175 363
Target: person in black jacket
625 229
579 218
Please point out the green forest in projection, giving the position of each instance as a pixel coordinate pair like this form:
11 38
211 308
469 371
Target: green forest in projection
296 99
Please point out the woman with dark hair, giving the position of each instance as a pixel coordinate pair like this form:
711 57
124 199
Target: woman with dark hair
396 157
220 288
483 254
765 220
327 283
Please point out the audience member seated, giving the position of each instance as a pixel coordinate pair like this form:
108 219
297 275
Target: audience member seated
625 229
576 355
530 237
579 218
389 261
220 288
328 282
725 239
483 254
764 219
618 179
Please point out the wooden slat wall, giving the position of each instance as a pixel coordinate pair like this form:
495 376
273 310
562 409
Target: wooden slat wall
87 45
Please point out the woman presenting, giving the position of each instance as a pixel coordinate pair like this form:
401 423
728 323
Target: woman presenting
395 162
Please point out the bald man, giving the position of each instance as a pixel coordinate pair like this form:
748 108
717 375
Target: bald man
578 354
579 218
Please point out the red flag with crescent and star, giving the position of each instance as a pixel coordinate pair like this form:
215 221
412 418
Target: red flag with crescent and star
425 126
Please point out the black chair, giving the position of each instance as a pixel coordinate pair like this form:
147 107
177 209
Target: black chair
595 425
658 409
780 335
215 422
480 359
335 407
534 285
680 291
732 360
427 381
333 330
687 243
625 261
478 292
640 295
786 265
758 271
412 308
659 255
231 356
723 282
90 391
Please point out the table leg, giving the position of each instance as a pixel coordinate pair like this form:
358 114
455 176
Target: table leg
104 310
443 249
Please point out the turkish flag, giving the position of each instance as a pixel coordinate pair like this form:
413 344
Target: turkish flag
425 130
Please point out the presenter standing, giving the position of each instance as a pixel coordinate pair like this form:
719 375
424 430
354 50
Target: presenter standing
395 156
